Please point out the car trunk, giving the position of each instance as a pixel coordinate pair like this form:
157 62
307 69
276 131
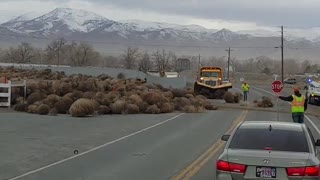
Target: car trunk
265 163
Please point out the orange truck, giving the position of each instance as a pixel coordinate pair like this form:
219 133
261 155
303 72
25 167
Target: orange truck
210 83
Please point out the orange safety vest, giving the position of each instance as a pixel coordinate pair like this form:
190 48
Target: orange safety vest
297 105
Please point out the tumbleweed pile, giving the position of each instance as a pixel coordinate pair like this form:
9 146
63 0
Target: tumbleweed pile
230 97
265 102
81 95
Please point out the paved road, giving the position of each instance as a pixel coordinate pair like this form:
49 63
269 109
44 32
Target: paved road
207 172
120 147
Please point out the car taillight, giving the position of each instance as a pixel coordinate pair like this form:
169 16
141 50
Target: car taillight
303 171
312 171
231 167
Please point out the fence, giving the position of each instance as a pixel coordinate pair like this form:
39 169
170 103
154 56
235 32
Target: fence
5 92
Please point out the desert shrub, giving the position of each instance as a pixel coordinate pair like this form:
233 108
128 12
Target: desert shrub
228 97
89 95
210 106
63 105
132 109
43 109
189 96
34 97
168 94
121 76
53 98
153 98
189 109
53 112
153 109
23 107
82 107
33 109
166 108
103 110
179 92
118 107
64 88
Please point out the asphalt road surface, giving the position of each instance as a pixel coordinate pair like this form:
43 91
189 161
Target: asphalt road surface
170 146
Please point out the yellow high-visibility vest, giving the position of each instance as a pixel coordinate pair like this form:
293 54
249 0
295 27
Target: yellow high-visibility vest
297 105
245 87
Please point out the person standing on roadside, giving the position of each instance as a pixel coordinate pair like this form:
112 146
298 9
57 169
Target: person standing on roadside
245 88
299 105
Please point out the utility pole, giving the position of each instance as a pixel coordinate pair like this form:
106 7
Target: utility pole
199 63
282 69
229 51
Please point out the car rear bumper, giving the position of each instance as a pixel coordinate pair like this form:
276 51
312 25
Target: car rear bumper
223 176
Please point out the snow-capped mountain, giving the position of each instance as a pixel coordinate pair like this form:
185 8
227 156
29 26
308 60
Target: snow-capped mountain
69 22
104 34
140 25
62 20
18 20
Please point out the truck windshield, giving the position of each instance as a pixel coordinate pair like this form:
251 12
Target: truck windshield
210 74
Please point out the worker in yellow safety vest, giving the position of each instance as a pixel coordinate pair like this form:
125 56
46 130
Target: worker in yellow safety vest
299 105
245 88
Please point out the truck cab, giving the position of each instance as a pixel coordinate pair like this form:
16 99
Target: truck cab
210 82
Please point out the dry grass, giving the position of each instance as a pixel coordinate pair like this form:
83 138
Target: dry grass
82 107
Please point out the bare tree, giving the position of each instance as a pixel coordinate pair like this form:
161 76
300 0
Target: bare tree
130 56
22 54
162 59
82 54
56 49
145 63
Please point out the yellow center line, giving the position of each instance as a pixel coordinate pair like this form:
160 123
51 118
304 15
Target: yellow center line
196 165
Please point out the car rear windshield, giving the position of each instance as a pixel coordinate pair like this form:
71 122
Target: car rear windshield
279 140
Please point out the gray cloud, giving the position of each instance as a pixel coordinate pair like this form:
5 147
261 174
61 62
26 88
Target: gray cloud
292 13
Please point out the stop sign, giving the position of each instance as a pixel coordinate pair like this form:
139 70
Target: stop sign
277 86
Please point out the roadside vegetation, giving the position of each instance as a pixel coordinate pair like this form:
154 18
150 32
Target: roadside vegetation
81 95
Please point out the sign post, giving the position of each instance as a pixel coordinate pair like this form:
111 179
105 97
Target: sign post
277 87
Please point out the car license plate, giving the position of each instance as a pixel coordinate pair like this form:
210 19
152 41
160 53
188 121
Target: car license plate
266 172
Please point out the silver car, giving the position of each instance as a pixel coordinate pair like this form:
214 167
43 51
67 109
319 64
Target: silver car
269 150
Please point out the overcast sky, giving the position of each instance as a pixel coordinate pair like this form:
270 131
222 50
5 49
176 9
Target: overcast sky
215 14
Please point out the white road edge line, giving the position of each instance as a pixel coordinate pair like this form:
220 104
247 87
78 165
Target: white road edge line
310 121
96 148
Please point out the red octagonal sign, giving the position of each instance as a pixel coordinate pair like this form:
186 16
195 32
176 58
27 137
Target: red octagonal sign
277 86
